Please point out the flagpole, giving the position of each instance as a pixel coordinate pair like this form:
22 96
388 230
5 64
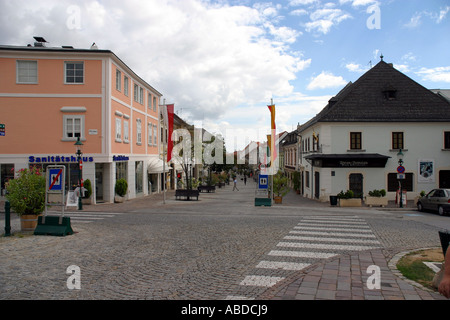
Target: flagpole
272 142
164 154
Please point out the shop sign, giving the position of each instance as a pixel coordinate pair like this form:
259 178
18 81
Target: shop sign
57 159
121 158
2 130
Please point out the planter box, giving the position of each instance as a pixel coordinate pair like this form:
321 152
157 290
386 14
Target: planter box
350 202
376 201
119 199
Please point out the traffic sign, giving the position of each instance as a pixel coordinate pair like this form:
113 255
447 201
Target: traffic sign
400 176
401 169
55 180
263 181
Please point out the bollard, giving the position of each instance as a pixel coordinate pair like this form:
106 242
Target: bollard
7 219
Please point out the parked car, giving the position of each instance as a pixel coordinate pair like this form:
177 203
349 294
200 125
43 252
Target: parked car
436 200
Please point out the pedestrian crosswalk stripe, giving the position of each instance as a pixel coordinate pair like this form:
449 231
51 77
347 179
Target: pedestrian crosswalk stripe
334 225
330 239
334 234
261 281
318 228
313 239
301 254
335 222
324 246
282 265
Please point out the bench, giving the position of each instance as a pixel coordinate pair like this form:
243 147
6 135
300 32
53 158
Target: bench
207 189
186 194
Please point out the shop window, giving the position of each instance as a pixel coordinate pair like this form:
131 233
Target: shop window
447 140
407 183
139 176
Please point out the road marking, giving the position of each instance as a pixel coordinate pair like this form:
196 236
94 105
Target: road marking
318 228
301 254
282 265
324 246
330 239
334 234
261 281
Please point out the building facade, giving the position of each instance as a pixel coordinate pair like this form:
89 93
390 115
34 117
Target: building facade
50 97
354 142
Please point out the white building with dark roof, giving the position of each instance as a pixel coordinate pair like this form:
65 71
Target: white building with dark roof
352 144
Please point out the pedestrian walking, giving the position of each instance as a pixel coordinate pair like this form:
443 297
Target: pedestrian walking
235 184
245 180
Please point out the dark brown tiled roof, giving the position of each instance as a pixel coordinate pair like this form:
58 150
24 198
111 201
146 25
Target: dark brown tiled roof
384 94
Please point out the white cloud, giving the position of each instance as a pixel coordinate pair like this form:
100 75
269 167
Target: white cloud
326 80
438 74
322 20
355 67
206 58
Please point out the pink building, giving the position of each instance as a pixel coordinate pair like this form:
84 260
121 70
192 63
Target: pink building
51 96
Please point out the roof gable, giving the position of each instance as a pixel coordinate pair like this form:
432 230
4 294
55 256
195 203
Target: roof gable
384 94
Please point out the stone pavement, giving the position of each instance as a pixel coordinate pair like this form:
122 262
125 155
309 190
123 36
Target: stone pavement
341 277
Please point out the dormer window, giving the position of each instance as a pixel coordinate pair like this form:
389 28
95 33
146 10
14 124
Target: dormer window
390 93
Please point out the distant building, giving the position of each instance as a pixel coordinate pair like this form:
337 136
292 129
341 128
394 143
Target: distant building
50 97
354 141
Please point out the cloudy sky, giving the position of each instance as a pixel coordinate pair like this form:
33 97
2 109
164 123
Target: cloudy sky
222 61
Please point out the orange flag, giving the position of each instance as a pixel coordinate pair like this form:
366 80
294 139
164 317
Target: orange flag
272 142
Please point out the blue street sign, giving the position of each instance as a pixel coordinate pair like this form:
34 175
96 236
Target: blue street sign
263 181
55 179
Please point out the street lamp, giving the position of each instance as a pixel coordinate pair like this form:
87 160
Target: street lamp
79 154
400 163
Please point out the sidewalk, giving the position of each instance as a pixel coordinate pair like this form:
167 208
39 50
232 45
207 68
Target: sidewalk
346 278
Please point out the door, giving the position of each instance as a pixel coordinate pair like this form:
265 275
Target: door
317 185
356 184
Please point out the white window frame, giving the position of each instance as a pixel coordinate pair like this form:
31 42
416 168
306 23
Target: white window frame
118 80
126 130
136 92
138 131
155 135
118 130
141 95
28 63
125 85
150 134
154 103
65 71
66 132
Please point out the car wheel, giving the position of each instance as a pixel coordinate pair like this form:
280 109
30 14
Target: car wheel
441 211
419 206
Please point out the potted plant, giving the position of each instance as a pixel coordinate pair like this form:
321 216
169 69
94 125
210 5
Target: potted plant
26 194
121 190
87 192
296 181
280 187
377 198
347 199
421 194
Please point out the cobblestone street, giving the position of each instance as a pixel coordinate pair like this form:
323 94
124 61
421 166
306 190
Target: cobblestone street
221 247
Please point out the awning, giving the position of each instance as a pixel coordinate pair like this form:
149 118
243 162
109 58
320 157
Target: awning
356 160
156 166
